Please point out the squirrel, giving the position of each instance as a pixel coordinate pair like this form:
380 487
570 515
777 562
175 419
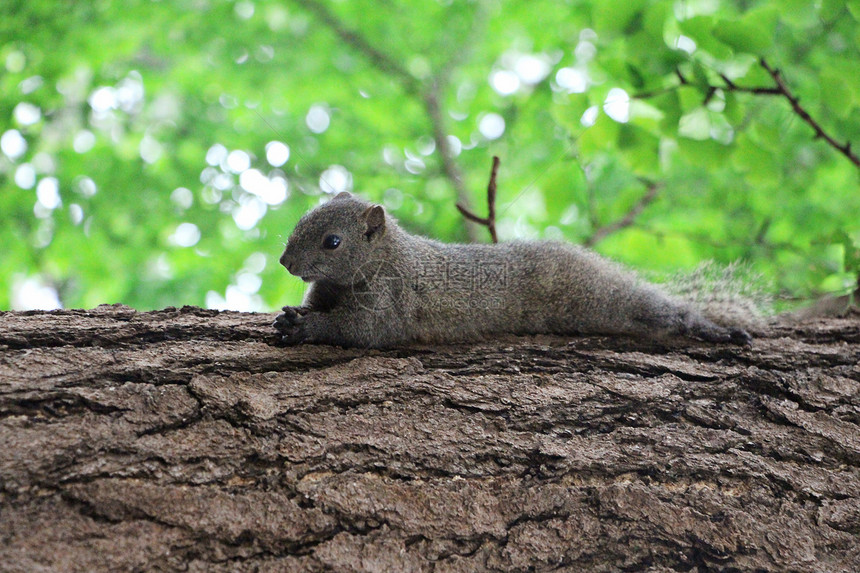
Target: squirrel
374 285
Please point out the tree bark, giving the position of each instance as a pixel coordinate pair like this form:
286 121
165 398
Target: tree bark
186 439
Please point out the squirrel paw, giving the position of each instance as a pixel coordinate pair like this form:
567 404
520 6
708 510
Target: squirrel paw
737 336
291 325
704 329
740 337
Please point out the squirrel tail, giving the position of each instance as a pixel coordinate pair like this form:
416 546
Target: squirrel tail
730 295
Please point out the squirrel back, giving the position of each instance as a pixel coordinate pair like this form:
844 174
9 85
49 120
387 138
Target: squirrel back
375 285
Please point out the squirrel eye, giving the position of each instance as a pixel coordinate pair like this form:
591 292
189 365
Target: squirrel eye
331 242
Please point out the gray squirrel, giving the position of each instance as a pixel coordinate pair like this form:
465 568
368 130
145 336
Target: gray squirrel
374 285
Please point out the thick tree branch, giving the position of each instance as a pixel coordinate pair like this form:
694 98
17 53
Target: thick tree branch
182 439
653 188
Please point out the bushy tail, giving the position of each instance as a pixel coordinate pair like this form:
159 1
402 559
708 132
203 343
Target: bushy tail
730 295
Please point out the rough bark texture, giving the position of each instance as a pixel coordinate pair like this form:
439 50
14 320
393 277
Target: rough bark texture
183 439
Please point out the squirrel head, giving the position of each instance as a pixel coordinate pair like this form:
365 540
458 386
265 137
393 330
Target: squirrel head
334 240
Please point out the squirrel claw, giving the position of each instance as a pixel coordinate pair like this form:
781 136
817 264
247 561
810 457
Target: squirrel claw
291 325
740 337
714 333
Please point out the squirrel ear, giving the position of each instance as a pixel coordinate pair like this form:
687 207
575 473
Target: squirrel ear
374 216
342 195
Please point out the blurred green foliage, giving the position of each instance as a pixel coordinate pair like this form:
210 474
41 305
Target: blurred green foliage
138 162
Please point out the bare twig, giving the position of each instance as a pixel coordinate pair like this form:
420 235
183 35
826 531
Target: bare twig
653 188
682 81
844 149
733 87
780 89
490 220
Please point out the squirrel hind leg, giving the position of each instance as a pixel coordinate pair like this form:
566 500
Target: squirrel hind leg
708 331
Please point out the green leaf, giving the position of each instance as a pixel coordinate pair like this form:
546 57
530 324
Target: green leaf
742 37
838 93
801 13
602 135
670 105
700 78
832 8
690 98
568 111
641 150
654 20
701 30
707 153
733 111
854 8
753 32
698 27
756 161
618 16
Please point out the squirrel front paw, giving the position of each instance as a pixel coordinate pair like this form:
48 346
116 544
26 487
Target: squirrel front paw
291 325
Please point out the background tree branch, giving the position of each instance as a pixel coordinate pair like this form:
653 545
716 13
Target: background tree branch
802 113
361 45
779 89
449 163
652 189
429 91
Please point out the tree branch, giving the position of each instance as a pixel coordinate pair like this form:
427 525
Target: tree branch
682 81
353 39
429 92
782 89
733 87
449 164
601 233
354 462
490 220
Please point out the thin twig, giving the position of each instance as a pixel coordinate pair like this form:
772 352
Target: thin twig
601 233
682 81
490 220
733 87
780 89
800 111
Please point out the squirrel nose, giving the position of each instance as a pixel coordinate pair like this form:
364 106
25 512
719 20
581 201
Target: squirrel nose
285 262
